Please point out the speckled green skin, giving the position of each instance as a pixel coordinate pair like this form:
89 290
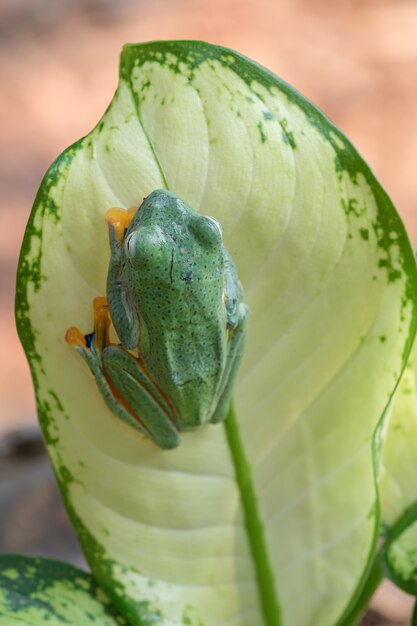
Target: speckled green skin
173 294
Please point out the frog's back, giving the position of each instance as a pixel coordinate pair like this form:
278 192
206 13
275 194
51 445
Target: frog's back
185 337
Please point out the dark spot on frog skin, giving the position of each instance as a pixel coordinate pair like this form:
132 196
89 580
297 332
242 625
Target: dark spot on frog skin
172 264
184 383
187 278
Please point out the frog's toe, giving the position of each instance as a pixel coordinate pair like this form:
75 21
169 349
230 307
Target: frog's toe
75 338
169 441
119 220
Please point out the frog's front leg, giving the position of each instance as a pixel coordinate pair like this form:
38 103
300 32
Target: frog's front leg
126 386
124 316
236 348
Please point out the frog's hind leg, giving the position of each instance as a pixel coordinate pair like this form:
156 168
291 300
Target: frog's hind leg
144 400
134 398
84 344
234 357
90 347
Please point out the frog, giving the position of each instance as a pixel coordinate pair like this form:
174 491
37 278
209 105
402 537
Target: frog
177 307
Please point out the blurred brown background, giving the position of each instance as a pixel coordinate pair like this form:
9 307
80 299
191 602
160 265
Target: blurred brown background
356 59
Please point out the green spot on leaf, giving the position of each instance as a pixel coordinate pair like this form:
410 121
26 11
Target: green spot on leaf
262 132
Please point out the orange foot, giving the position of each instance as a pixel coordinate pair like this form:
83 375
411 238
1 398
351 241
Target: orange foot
120 220
75 337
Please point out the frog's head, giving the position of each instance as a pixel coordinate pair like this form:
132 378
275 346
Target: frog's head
167 238
173 217
165 219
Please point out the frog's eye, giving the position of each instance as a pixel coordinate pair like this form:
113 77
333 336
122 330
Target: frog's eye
216 224
206 230
130 245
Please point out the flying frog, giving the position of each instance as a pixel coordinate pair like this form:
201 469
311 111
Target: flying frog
176 304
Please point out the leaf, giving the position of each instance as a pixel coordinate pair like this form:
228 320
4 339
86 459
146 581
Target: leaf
398 488
271 519
398 485
35 591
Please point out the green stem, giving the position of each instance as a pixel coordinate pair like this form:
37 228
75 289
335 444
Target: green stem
254 525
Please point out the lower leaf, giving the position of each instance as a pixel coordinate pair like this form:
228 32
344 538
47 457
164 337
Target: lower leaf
35 592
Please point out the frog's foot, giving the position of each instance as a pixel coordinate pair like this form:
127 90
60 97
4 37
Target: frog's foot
99 338
75 338
120 220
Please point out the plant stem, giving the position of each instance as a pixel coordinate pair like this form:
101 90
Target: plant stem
254 526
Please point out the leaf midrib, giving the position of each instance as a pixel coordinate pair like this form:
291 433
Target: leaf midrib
148 139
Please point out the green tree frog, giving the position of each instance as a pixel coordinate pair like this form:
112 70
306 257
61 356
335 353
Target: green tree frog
177 307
